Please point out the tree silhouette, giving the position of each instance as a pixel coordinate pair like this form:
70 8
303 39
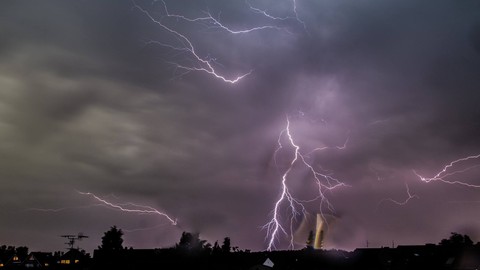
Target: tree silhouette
112 240
22 252
216 249
191 242
226 246
457 240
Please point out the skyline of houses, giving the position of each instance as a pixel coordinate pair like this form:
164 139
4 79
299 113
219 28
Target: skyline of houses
455 253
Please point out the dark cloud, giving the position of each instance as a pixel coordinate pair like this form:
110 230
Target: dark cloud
86 105
475 36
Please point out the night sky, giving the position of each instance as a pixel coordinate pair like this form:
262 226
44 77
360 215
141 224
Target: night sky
89 104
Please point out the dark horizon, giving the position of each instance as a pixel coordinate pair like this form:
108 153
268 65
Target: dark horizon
453 238
456 252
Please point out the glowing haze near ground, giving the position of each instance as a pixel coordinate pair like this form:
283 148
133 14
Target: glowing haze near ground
89 103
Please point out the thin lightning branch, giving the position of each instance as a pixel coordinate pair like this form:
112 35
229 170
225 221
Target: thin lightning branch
210 20
245 31
296 14
344 146
440 176
324 182
203 64
266 14
135 208
56 210
400 203
168 14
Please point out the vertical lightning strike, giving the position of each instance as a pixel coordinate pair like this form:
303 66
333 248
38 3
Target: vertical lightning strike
400 203
274 226
296 14
131 207
441 175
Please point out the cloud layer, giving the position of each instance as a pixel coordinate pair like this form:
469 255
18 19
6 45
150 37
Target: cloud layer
85 105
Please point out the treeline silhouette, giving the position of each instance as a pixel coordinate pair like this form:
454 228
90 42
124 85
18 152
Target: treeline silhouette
10 251
456 252
191 252
190 243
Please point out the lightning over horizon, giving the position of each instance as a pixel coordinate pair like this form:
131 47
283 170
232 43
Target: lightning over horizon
131 207
323 181
449 171
128 207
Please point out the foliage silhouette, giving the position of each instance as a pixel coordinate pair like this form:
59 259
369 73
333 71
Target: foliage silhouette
191 242
112 240
226 246
457 240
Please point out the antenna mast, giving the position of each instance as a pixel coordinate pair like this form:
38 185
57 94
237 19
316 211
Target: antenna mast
72 239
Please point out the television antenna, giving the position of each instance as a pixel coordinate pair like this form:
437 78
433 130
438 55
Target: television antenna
72 238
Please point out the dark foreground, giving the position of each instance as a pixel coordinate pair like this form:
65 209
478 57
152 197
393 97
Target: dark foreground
403 257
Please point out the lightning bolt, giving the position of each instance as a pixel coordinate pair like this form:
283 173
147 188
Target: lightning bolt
131 207
272 17
324 182
447 172
202 64
211 22
400 203
265 13
296 14
187 46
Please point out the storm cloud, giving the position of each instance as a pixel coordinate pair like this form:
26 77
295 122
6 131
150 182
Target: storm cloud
86 104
